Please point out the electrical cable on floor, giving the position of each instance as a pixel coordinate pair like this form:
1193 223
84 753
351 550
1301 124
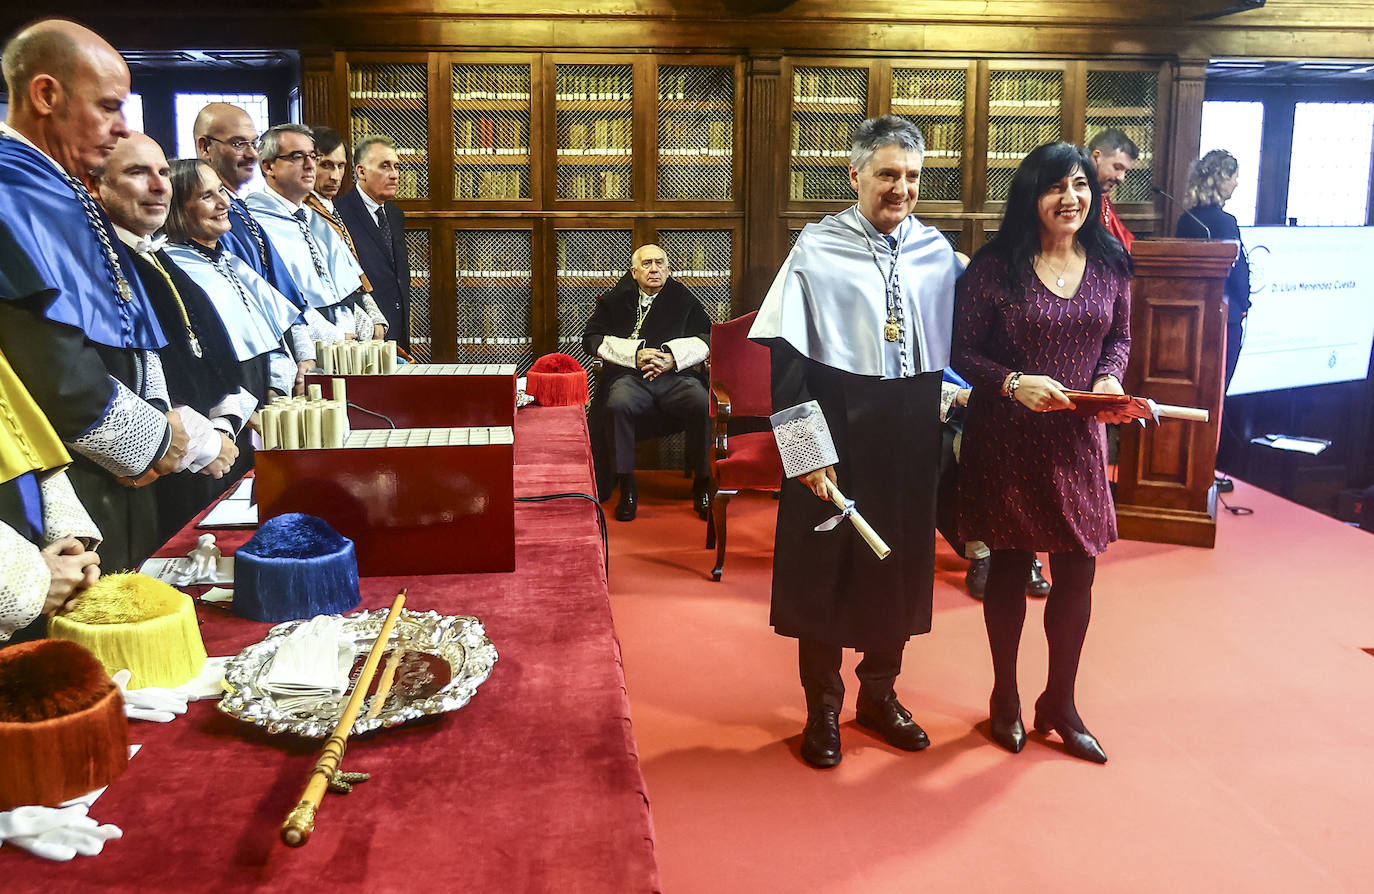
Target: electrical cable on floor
1234 510
600 518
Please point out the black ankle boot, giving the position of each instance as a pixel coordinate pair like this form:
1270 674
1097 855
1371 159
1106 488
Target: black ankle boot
629 499
1077 741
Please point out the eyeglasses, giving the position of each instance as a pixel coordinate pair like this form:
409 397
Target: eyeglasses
298 156
238 144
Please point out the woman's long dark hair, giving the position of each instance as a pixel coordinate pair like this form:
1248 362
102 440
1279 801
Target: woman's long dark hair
185 177
1018 236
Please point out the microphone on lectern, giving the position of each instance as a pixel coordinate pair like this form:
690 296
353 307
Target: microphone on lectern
1206 229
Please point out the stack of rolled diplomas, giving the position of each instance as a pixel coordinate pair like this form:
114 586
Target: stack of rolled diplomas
308 422
356 358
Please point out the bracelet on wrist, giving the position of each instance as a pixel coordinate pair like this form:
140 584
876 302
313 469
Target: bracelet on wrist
1013 382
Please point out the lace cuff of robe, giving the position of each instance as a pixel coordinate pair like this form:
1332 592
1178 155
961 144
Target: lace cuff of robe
155 381
128 438
620 351
301 343
687 352
948 392
369 305
281 372
24 581
803 437
63 514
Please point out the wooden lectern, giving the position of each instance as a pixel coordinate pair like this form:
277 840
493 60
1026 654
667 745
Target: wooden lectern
1165 491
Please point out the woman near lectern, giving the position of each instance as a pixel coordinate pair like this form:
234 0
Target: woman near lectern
1043 307
1211 181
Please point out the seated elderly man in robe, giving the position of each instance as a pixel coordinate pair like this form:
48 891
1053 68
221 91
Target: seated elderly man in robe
653 335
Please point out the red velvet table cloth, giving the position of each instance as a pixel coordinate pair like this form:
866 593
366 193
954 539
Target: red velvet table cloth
535 785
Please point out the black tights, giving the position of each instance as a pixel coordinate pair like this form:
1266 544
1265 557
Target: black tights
1066 624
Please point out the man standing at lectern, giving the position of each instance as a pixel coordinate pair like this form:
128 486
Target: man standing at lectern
1113 154
378 228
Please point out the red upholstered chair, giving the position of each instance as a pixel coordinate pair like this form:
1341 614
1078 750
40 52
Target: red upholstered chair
740 375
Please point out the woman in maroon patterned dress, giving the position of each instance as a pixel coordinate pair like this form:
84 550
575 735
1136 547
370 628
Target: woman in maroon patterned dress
1043 307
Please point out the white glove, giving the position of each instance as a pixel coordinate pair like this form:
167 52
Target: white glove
55 833
151 702
203 443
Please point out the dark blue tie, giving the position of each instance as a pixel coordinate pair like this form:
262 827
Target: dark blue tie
385 226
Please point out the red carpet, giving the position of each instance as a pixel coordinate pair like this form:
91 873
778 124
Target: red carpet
1230 688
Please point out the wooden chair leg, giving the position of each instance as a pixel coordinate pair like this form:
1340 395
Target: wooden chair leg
722 499
711 518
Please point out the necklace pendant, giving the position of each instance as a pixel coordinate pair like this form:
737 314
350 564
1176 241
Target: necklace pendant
122 287
194 343
892 331
1059 282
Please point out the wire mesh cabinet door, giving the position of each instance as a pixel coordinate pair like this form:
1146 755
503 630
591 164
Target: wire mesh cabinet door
703 260
828 103
697 112
493 122
936 101
421 279
588 262
594 133
1126 100
493 296
393 99
1025 109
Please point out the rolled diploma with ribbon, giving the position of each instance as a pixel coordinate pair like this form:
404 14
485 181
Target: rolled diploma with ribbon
846 507
805 445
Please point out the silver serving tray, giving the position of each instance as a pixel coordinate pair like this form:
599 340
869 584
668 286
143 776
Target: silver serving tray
447 657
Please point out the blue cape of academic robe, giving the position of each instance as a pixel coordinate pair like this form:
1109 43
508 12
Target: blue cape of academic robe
51 239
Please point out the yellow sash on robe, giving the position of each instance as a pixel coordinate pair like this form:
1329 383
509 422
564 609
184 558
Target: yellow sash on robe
27 441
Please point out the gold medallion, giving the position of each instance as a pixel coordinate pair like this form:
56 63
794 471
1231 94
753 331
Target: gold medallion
194 343
892 331
122 287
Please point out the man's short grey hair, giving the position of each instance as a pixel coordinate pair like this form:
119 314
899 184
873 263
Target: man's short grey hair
269 144
887 130
361 148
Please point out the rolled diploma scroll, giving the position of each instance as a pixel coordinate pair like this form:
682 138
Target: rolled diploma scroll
314 392
339 390
311 416
388 357
271 427
291 427
335 424
870 536
1190 414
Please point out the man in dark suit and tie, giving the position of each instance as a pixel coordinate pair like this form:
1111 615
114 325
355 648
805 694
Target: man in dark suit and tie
378 229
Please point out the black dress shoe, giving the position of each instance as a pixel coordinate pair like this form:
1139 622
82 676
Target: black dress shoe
1078 742
1036 585
893 722
821 738
629 499
976 578
1009 733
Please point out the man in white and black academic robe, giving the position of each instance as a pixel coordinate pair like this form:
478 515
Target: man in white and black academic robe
653 337
75 322
202 373
316 257
858 320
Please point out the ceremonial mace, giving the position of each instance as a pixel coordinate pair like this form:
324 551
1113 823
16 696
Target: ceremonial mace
301 821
